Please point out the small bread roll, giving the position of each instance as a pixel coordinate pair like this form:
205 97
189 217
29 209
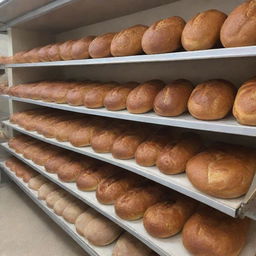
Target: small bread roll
100 231
115 186
73 210
133 204
54 196
141 99
46 189
54 52
100 46
36 182
203 31
80 48
173 98
244 108
94 97
128 41
116 98
128 245
163 36
84 219
60 205
222 172
212 100
66 50
167 218
239 28
89 181
173 158
210 232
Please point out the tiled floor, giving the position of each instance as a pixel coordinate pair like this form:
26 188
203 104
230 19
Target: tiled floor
25 230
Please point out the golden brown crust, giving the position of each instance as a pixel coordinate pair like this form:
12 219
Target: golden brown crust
128 41
244 108
43 53
212 99
210 232
163 36
173 98
54 52
173 158
100 46
65 50
80 48
239 27
141 98
203 31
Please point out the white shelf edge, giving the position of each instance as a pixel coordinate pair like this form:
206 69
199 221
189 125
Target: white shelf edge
178 182
108 211
236 52
67 227
227 125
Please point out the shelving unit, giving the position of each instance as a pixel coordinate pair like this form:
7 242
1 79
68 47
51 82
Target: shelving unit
51 21
67 227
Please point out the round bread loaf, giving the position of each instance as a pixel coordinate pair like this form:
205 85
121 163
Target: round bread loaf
128 41
128 245
239 28
212 99
84 219
173 98
116 98
46 189
163 36
73 210
141 98
113 187
100 46
80 48
173 158
54 52
221 173
36 182
244 108
167 218
100 231
133 204
203 31
60 205
54 196
210 232
65 50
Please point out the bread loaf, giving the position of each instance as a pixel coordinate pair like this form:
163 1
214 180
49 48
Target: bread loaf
47 153
100 231
203 31
167 218
113 187
222 172
46 189
133 204
54 52
60 205
212 99
163 36
80 48
141 98
239 28
100 46
29 174
94 97
84 219
173 158
173 98
43 53
88 181
244 108
128 245
36 182
33 55
54 196
210 232
116 98
128 41
66 50
73 210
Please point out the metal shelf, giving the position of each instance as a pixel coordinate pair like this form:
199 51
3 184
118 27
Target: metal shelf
67 227
227 125
178 182
169 247
222 53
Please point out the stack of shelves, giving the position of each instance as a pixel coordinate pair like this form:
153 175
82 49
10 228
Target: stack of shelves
216 63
